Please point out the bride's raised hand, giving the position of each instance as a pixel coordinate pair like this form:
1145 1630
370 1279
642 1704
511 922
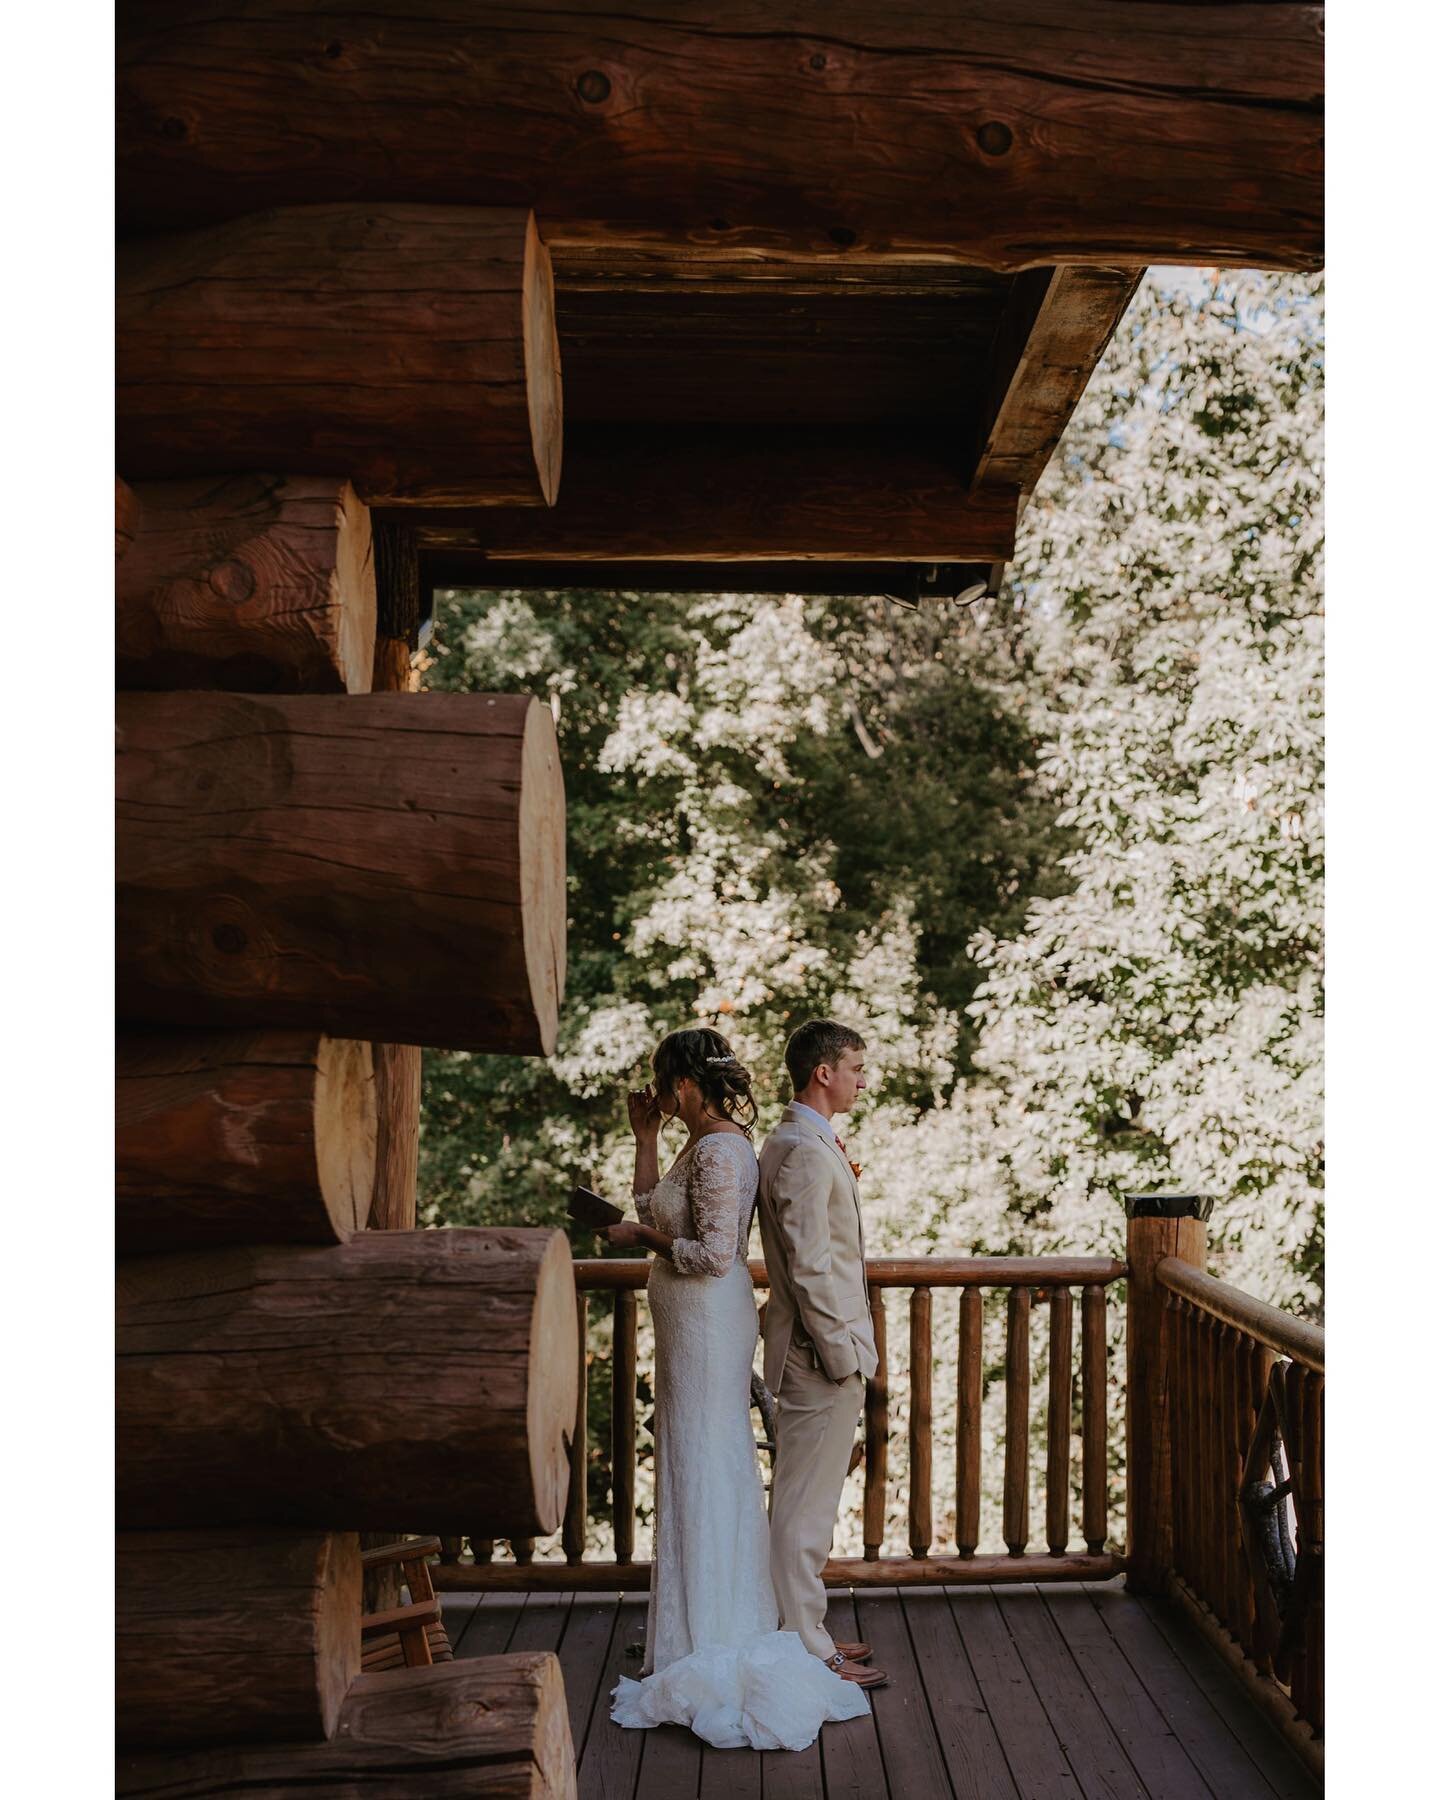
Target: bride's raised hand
645 1114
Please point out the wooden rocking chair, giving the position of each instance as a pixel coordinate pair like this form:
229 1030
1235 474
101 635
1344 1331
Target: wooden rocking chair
410 1636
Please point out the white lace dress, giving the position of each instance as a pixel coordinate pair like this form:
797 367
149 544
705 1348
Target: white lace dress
714 1658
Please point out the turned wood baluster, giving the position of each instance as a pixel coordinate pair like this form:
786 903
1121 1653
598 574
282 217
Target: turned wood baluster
1226 1604
1093 1461
967 1424
921 1363
1260 1361
1194 1458
1230 1476
573 1536
523 1550
1016 1509
1299 1459
1210 1371
1313 1431
1183 1437
450 1548
1243 1624
482 1549
1057 1423
622 1418
877 1434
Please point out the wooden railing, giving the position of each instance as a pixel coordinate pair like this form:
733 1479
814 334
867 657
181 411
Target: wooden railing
1029 1281
1247 1385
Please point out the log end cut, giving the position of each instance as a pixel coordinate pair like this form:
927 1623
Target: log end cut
242 1137
542 871
542 365
553 1384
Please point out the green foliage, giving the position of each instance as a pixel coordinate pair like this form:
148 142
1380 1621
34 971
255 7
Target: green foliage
759 792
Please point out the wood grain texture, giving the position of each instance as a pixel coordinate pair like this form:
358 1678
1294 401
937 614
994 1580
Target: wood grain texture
969 1397
259 1385
1015 1504
494 1727
127 517
383 866
241 1137
397 1137
1057 1423
622 1425
922 1528
877 1433
1094 1471
725 495
223 1636
838 1572
411 349
256 583
1149 1395
1053 332
1291 1336
1044 131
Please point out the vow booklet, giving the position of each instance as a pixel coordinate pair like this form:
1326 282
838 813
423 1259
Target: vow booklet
591 1210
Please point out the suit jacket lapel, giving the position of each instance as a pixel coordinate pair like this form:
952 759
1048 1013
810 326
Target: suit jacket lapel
828 1137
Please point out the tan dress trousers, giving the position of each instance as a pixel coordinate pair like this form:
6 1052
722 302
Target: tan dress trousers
815 1429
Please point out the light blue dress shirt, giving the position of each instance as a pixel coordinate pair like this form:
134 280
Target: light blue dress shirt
818 1118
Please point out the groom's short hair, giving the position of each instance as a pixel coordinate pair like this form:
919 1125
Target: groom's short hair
817 1041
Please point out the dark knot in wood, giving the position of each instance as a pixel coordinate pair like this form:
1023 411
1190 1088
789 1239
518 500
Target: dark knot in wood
174 128
232 580
994 138
817 61
229 939
843 236
593 87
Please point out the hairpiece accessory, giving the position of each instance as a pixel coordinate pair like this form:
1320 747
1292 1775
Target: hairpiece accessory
721 1059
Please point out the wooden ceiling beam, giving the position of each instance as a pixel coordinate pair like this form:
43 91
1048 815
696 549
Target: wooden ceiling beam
911 582
744 496
1052 334
1041 131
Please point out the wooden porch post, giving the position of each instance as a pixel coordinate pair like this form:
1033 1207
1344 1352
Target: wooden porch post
1158 1225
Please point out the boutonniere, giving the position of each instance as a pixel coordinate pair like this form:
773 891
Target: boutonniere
856 1170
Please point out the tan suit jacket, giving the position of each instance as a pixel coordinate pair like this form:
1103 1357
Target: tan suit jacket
814 1244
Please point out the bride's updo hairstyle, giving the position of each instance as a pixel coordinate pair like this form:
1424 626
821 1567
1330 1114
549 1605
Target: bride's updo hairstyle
707 1059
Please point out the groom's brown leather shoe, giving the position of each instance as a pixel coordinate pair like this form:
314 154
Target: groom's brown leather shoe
854 1652
862 1677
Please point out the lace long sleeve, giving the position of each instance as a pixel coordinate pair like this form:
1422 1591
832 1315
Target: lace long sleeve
714 1195
645 1206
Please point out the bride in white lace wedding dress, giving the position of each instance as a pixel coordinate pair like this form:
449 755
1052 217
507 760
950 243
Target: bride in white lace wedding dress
715 1660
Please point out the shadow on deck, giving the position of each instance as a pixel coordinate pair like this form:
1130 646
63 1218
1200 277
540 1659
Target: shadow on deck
1027 1692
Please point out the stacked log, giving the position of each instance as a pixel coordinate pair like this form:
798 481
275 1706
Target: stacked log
349 1387
386 866
413 347
491 1726
256 583
234 1138
249 1634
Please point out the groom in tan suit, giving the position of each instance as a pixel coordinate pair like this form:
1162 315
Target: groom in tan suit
819 1340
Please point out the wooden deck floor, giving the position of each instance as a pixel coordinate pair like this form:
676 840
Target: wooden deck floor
1022 1693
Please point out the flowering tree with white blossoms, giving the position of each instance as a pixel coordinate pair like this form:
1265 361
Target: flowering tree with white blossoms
1060 860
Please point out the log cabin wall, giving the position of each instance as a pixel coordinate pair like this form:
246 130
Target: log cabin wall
268 1169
